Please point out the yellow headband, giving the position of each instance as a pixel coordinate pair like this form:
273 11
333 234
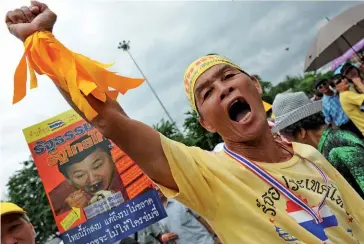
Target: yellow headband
196 69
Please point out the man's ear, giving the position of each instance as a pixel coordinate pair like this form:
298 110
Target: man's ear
207 126
302 134
257 84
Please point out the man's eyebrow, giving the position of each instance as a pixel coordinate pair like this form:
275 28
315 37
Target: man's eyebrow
96 161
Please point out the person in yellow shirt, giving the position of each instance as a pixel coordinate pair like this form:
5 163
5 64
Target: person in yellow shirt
257 190
351 101
353 73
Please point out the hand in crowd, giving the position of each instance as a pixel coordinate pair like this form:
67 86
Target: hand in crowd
77 199
168 237
24 21
358 84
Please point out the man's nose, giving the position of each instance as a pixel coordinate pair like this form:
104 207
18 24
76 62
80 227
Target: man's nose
92 177
225 90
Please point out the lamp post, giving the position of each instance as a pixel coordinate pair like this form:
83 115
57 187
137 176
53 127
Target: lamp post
125 47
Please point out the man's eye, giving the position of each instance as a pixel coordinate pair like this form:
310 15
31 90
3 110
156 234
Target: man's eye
14 227
228 76
97 166
79 176
207 94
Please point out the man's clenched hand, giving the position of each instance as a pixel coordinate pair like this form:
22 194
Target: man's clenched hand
24 21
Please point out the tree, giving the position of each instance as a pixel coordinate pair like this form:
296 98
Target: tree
169 129
266 86
296 83
194 134
26 190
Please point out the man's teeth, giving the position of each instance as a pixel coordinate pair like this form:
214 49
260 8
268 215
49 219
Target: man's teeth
246 117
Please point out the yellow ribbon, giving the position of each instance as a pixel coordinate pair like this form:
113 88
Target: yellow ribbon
74 73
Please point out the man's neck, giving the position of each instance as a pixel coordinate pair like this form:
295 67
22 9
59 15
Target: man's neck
315 140
263 149
329 93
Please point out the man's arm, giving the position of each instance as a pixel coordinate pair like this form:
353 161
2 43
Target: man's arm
358 84
136 139
326 114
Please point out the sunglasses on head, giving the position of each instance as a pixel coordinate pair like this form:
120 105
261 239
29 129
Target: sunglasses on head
338 81
322 85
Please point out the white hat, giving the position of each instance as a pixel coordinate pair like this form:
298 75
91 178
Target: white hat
290 108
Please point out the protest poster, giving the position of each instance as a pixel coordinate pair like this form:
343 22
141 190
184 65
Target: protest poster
96 192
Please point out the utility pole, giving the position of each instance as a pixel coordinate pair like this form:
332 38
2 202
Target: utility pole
125 47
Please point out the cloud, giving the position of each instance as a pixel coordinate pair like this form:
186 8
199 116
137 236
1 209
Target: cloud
165 37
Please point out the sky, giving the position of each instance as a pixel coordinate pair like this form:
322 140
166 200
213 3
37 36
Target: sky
165 37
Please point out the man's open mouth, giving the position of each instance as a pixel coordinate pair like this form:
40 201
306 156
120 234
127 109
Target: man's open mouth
95 187
239 110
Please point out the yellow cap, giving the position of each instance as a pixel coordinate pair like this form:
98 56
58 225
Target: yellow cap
8 207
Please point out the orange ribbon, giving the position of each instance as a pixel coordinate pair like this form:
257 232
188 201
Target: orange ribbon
74 73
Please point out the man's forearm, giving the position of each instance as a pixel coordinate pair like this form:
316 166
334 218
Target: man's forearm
97 105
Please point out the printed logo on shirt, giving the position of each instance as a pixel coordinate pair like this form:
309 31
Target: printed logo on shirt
306 221
267 203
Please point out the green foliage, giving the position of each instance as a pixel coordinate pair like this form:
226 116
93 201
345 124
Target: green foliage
296 83
170 130
194 134
26 190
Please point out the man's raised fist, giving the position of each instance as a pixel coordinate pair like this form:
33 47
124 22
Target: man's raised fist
24 21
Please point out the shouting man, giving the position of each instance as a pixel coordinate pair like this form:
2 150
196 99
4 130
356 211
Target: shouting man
257 190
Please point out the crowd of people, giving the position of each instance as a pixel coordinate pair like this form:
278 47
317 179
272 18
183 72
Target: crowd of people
334 124
298 180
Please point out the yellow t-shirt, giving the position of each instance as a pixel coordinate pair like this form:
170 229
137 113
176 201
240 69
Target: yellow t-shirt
351 102
243 209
